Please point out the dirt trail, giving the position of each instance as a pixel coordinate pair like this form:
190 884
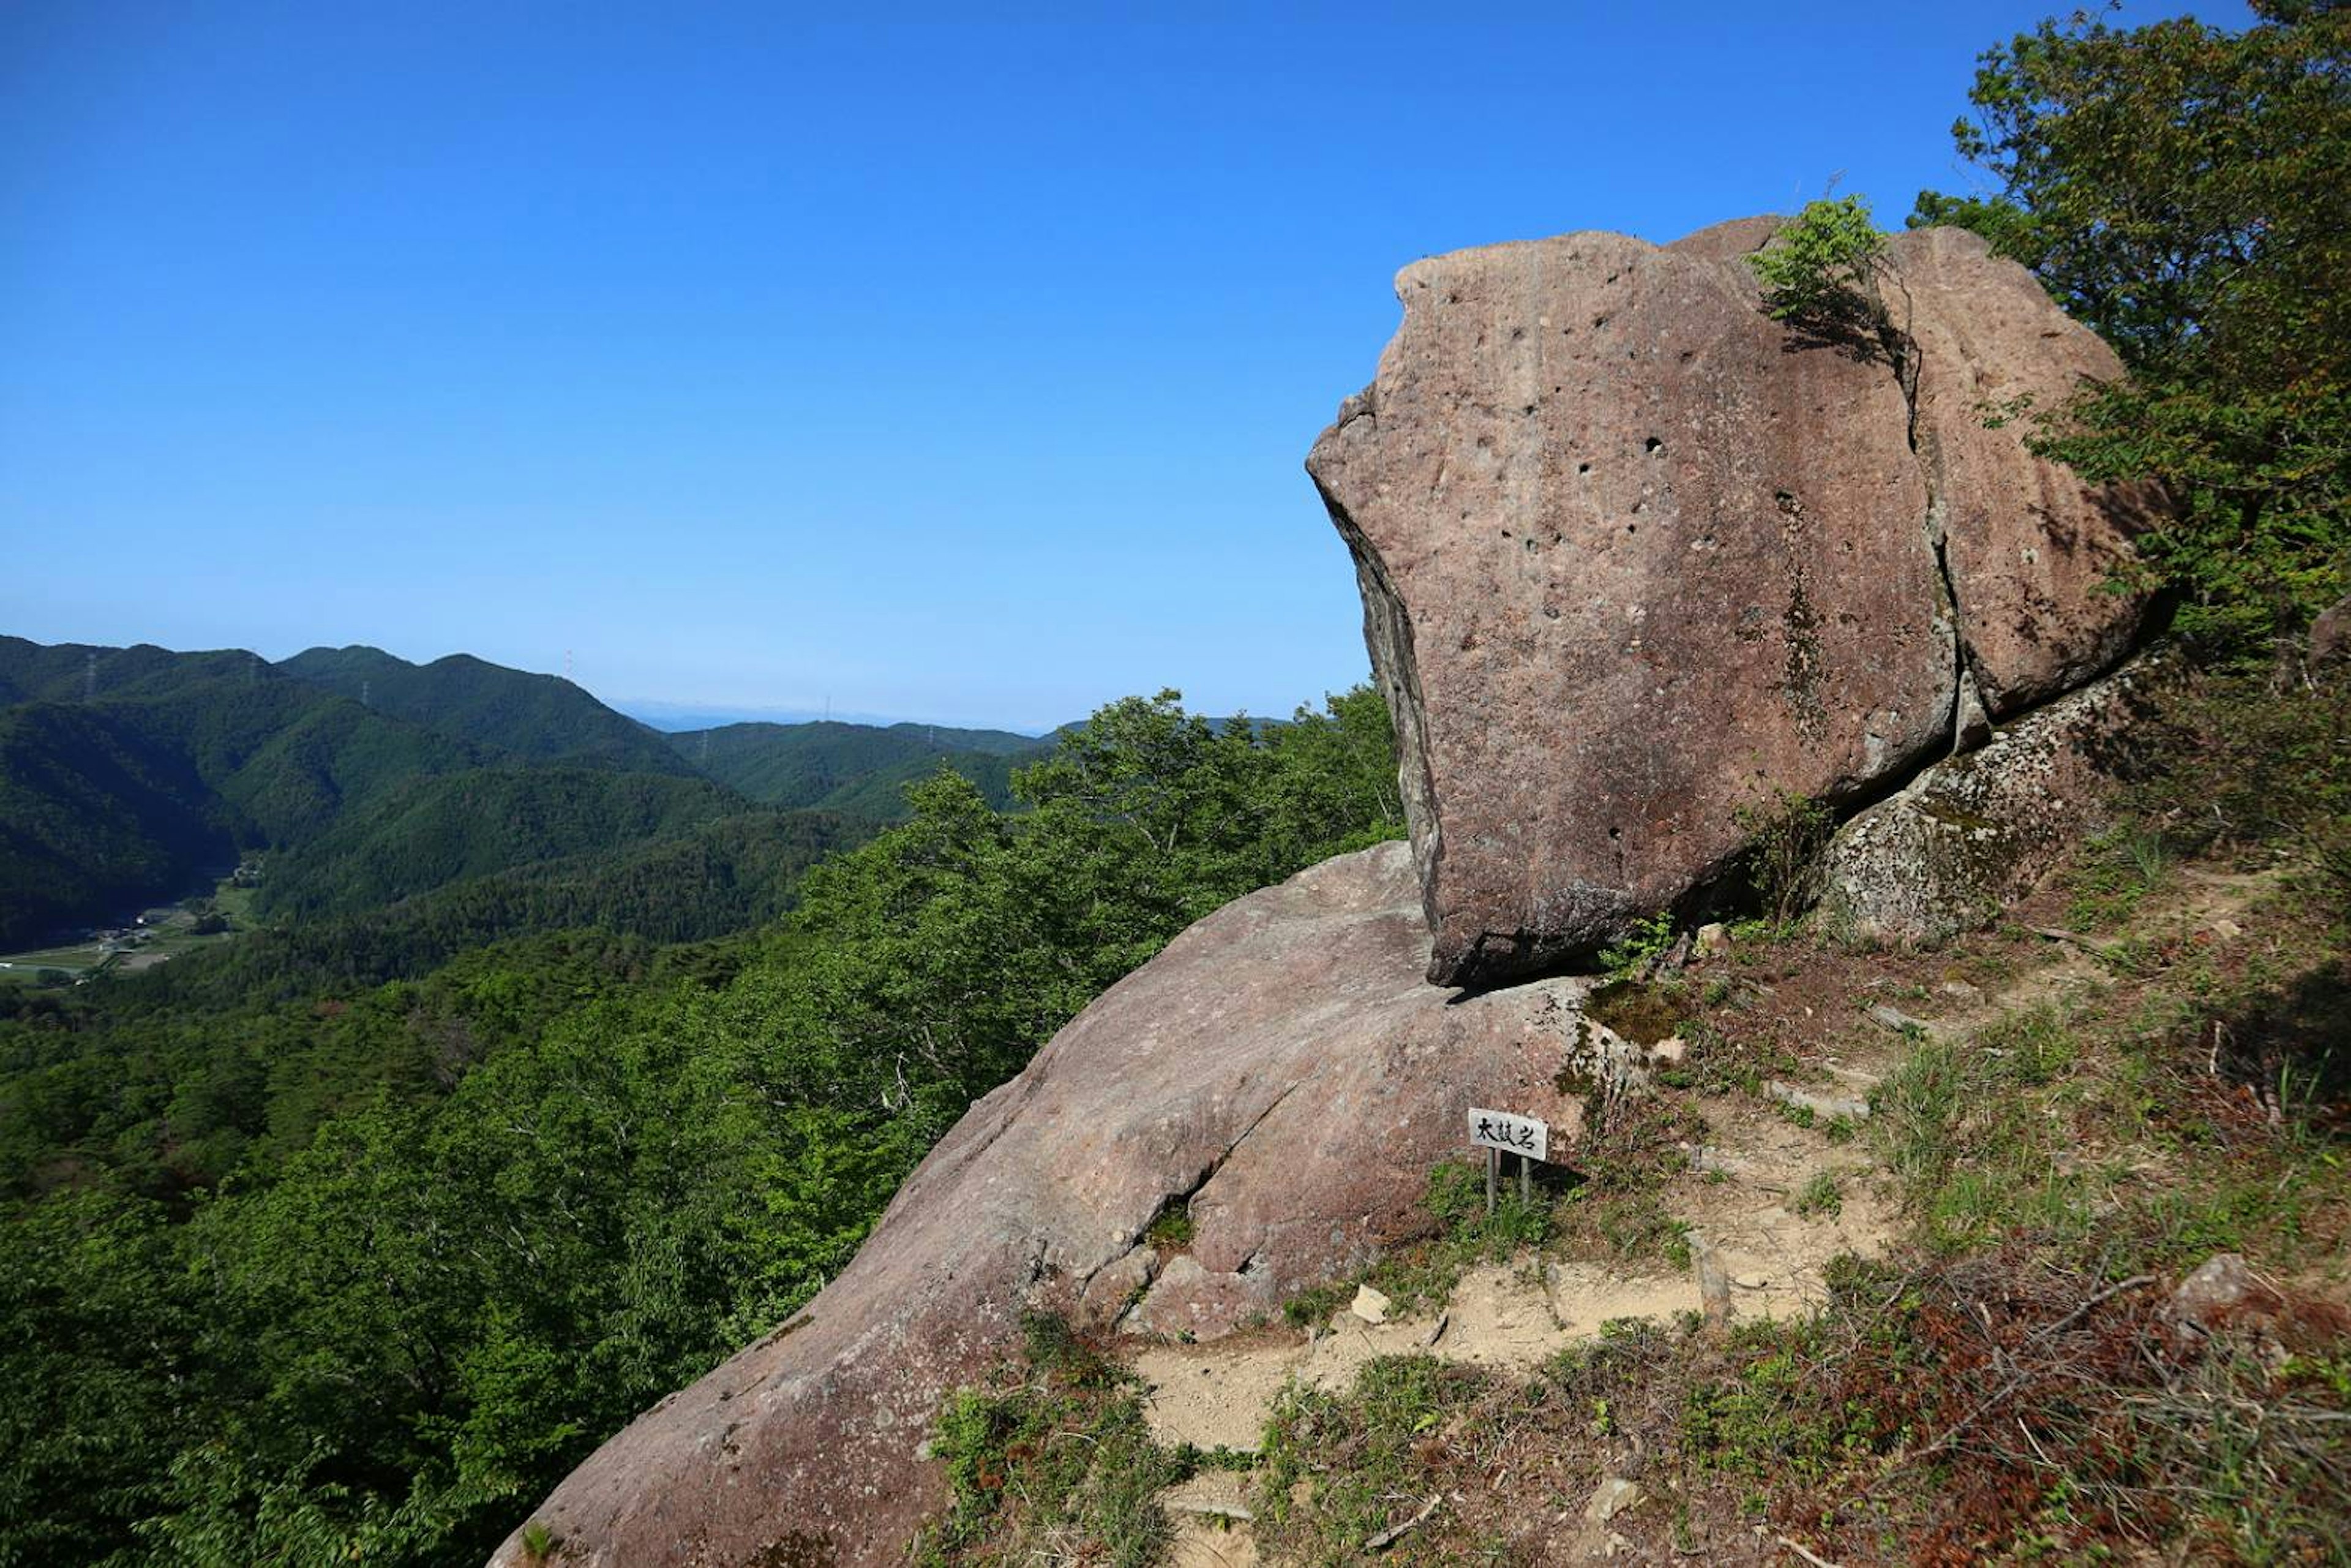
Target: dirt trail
1739 1197
1510 1318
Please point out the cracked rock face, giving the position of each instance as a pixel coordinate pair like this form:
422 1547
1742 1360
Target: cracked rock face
1635 557
2029 547
1279 1072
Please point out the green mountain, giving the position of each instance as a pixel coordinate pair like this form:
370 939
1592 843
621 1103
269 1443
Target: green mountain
721 876
857 769
540 718
441 829
94 819
125 774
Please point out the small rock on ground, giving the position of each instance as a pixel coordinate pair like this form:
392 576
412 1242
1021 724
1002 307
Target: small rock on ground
1614 1496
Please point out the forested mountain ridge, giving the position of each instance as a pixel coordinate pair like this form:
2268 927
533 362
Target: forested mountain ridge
127 774
860 769
433 830
91 820
542 718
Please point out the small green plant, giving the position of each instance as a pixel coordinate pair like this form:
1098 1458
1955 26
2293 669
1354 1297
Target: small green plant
1341 1468
1060 1455
1315 1304
2117 870
1821 1195
1785 837
538 1541
1171 1232
1825 273
1641 948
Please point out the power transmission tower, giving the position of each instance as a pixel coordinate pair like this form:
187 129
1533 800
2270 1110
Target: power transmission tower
89 679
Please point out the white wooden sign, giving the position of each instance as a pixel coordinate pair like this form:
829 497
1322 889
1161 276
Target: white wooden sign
1522 1136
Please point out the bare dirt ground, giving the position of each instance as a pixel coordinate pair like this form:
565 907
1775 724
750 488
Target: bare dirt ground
1513 1317
1741 1197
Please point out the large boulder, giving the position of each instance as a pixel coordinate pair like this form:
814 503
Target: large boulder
1279 1072
1977 832
1635 557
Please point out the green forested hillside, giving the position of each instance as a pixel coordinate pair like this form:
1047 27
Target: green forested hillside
90 818
724 876
858 768
127 774
75 672
541 718
356 1273
178 764
438 830
880 796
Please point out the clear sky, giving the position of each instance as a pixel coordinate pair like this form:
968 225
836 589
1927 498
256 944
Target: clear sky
947 369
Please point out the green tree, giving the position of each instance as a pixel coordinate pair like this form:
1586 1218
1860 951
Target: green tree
1827 272
2186 191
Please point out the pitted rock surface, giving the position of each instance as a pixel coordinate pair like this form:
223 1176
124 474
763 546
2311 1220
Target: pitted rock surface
1635 557
1279 1069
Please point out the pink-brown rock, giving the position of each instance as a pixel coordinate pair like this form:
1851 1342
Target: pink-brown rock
1633 557
2031 548
1279 1070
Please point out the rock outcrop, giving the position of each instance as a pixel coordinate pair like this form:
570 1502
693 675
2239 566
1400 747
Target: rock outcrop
1635 557
1280 1072
1973 833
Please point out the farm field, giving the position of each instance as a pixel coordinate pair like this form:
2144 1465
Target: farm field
157 941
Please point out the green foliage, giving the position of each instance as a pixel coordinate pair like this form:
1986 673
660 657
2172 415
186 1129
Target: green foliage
2230 763
1171 1232
1786 837
301 1268
436 830
1825 269
858 769
1766 1421
1063 1456
1342 1466
1823 1194
1639 949
92 819
2183 189
1970 1154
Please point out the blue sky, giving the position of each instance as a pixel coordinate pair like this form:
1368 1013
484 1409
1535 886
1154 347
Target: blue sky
945 368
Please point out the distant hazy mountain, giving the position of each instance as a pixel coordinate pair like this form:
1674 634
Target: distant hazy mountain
857 769
542 718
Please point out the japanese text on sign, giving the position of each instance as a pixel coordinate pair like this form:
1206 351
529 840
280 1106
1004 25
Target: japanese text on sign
1516 1134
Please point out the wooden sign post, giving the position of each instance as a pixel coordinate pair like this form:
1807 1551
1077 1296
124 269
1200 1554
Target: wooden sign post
1497 1132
